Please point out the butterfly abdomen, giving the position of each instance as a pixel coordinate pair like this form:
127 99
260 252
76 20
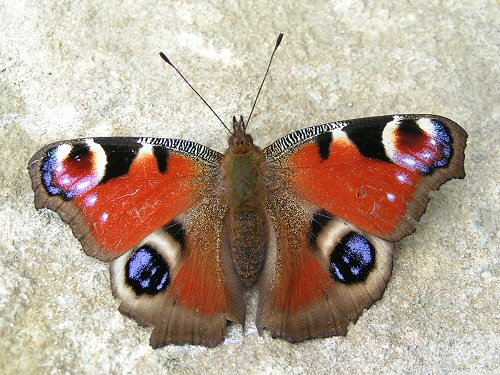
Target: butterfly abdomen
243 174
248 243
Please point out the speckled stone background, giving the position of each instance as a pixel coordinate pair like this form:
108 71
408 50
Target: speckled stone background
74 69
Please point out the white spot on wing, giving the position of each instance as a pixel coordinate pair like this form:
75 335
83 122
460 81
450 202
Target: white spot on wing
99 157
410 161
389 138
83 185
426 155
402 178
339 134
145 150
91 200
427 126
62 152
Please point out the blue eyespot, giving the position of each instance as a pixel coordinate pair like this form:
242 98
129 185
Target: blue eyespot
47 169
146 272
352 259
444 140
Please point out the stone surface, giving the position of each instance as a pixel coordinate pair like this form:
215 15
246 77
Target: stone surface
73 69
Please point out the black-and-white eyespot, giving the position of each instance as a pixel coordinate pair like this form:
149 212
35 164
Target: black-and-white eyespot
352 259
349 255
148 270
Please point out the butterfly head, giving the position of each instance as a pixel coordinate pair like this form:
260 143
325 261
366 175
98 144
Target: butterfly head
239 137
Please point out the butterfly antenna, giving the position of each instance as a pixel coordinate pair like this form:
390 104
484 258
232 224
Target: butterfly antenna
166 59
278 41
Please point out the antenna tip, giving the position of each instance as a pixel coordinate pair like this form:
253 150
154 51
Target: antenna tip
162 55
278 41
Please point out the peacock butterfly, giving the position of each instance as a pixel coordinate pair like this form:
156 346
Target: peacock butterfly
310 220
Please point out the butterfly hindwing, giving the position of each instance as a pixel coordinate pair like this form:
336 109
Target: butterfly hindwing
180 281
321 272
153 206
342 193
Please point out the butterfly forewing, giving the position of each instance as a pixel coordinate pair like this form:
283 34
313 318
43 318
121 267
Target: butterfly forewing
373 172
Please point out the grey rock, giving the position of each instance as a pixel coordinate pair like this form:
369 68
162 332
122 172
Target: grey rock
73 69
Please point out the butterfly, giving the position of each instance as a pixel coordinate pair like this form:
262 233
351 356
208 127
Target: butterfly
310 220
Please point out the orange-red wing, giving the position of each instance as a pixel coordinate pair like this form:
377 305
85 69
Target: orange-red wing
150 206
180 281
115 191
340 194
321 272
374 173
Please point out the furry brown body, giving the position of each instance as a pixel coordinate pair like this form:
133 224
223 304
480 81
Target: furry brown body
244 182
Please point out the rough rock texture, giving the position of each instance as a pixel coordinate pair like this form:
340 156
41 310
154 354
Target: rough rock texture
72 69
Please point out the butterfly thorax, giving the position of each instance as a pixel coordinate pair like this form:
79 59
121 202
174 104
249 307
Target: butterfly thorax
244 193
